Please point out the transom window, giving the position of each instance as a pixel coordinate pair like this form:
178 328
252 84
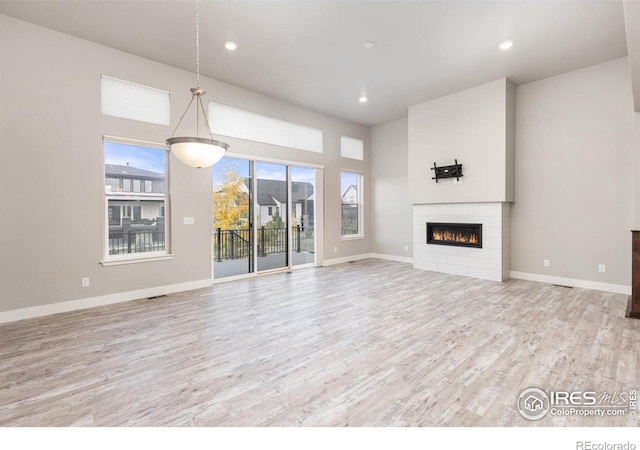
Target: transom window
133 101
351 148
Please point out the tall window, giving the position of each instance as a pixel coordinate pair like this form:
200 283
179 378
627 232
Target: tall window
135 216
352 210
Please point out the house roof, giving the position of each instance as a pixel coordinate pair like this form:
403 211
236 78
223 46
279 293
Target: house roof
270 191
119 171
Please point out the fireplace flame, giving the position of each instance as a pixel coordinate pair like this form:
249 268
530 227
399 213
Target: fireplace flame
450 236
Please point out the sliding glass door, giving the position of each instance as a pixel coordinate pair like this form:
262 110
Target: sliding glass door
303 236
232 218
263 217
272 220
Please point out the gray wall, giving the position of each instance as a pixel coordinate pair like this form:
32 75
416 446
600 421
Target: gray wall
470 126
632 30
575 175
636 153
391 210
51 192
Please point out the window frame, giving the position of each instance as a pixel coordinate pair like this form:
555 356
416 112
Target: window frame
359 202
165 207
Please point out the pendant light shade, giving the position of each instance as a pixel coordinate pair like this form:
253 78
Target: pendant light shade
196 151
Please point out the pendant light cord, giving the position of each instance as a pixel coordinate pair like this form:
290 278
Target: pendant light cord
197 44
197 92
197 63
204 111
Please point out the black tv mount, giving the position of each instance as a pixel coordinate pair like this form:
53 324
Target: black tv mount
447 171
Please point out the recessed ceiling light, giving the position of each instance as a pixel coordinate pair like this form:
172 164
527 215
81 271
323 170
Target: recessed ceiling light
504 45
230 45
368 44
363 99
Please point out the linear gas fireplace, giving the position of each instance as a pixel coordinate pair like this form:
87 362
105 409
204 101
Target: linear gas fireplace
458 234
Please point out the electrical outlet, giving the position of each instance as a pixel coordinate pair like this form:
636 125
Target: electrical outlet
85 282
602 268
547 263
406 248
335 249
457 181
189 221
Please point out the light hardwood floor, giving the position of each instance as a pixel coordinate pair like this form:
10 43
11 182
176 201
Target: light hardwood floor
371 343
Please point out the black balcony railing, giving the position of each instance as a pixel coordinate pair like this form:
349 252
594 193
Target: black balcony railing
136 238
231 244
236 244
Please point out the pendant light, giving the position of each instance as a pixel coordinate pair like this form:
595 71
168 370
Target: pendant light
197 151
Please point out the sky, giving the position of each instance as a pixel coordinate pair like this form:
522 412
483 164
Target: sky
146 158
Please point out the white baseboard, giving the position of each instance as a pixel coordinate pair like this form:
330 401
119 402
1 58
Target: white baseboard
92 302
346 259
573 282
402 259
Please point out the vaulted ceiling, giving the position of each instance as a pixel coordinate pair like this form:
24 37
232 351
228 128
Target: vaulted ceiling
312 52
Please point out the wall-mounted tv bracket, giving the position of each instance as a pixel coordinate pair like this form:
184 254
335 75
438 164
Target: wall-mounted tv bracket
447 171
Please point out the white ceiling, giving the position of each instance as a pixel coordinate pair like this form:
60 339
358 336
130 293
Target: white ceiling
311 52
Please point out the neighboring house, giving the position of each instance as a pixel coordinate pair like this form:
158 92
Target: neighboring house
350 194
127 180
272 199
350 211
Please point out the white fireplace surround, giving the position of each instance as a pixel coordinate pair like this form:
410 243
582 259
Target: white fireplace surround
491 262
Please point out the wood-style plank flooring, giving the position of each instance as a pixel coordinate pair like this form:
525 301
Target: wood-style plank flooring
371 343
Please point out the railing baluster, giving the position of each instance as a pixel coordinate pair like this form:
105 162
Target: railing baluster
134 239
218 242
236 244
